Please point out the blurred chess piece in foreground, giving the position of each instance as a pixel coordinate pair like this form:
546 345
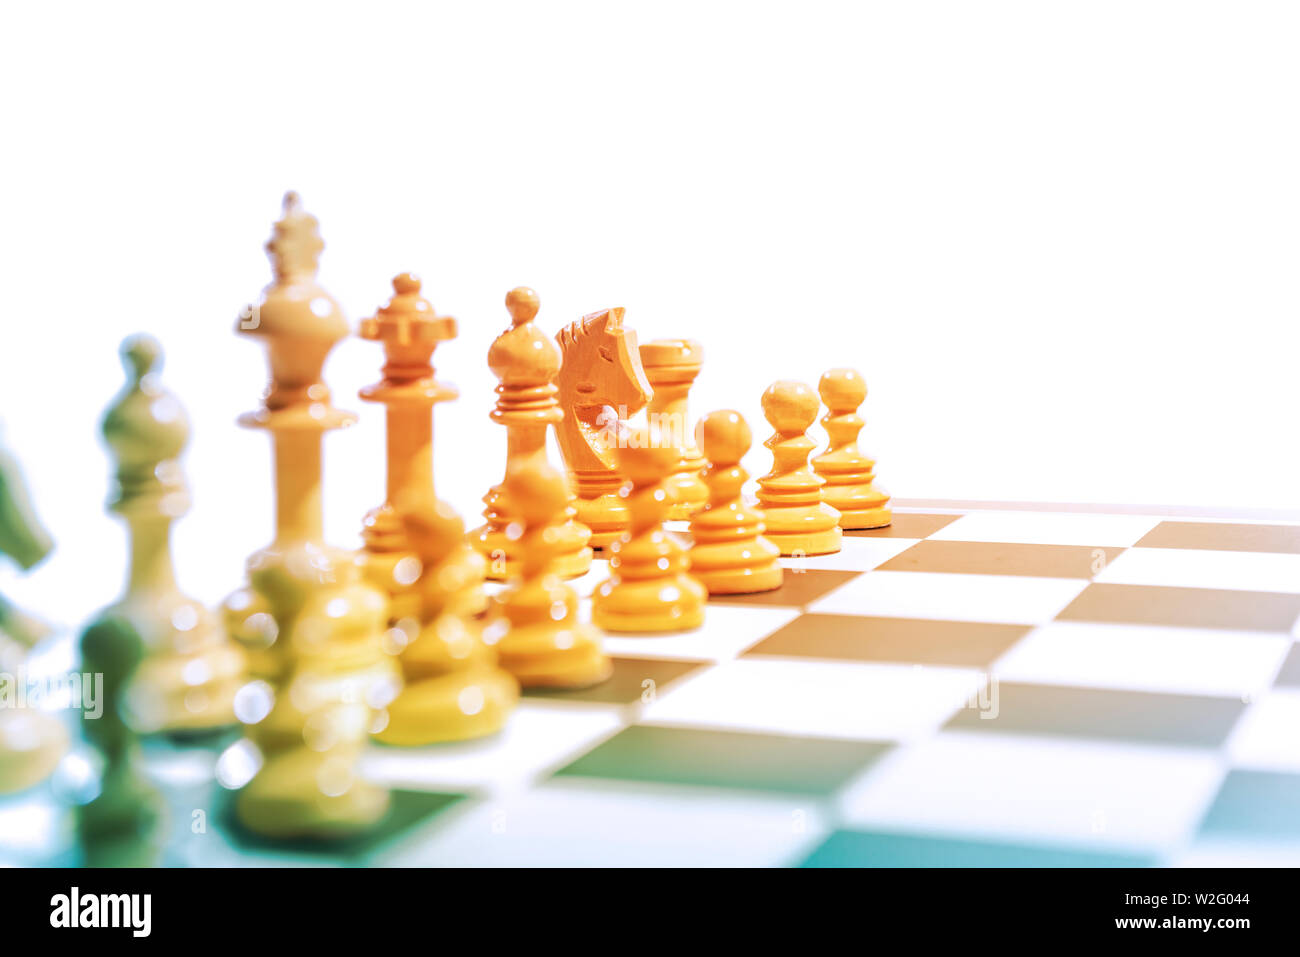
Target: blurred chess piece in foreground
31 741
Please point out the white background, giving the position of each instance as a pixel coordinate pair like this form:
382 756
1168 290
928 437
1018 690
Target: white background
1059 239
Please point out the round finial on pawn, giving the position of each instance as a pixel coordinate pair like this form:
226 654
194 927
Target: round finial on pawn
433 531
292 203
723 437
843 390
523 304
790 406
538 493
141 355
647 456
406 284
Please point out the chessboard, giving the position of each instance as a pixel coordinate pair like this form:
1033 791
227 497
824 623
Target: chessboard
994 686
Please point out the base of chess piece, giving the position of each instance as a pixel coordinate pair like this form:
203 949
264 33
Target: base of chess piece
795 540
860 505
310 794
502 553
640 607
458 706
726 575
454 688
544 656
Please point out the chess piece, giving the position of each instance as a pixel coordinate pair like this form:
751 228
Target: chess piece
454 689
410 329
729 554
317 627
671 366
649 588
601 384
526 362
849 474
31 741
796 519
143 644
190 670
534 623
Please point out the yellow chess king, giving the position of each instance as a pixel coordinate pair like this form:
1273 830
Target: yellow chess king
534 624
671 366
797 520
410 329
849 474
729 554
316 627
190 672
526 362
649 588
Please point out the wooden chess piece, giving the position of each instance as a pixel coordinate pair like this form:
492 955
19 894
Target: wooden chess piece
31 741
410 329
729 554
601 384
671 366
796 519
316 626
534 623
191 671
454 689
849 474
649 588
526 362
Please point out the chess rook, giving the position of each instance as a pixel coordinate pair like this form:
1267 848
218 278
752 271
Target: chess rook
671 366
526 363
729 554
601 384
316 626
849 474
534 624
649 588
796 519
409 329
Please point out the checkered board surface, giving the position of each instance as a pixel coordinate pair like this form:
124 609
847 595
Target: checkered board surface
979 687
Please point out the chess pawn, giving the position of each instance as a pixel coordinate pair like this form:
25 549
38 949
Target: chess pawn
671 366
454 689
848 473
601 384
649 588
310 731
729 554
534 624
796 519
526 362
410 330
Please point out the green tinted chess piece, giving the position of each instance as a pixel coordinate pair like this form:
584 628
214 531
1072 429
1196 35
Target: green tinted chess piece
31 741
166 663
